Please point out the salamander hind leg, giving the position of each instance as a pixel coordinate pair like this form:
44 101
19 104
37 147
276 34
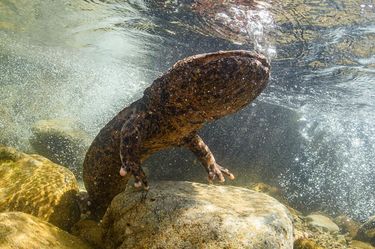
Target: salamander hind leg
205 156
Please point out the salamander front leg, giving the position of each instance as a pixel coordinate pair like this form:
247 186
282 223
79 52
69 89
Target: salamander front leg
136 170
129 154
205 156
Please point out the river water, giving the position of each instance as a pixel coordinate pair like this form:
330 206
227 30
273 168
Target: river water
312 132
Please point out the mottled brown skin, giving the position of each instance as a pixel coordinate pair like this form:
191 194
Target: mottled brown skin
196 90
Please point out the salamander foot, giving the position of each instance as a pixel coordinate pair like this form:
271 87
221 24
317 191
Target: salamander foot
138 174
217 171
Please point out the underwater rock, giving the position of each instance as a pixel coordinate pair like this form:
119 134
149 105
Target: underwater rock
320 221
268 189
265 188
347 225
366 231
305 244
32 184
194 215
360 245
89 231
24 231
307 236
62 141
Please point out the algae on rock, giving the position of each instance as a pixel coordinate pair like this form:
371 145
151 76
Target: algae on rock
360 245
305 244
32 184
23 231
193 215
89 231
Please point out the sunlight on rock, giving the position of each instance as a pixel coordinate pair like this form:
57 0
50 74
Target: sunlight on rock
24 231
34 185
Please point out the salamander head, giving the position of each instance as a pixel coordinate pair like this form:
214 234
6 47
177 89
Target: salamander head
209 86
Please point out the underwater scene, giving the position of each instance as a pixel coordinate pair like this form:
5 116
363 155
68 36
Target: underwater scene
187 124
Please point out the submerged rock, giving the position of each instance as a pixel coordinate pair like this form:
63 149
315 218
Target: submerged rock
320 221
314 237
269 190
366 232
61 141
32 184
361 245
89 231
23 231
347 225
193 215
305 244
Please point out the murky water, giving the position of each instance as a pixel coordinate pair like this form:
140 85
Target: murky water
312 132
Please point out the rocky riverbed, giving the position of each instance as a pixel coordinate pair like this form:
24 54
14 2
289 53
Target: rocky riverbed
41 199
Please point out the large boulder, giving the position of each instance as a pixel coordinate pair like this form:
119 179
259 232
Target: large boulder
23 231
62 141
32 184
193 215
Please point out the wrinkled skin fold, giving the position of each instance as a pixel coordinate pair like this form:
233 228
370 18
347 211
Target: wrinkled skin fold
196 90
